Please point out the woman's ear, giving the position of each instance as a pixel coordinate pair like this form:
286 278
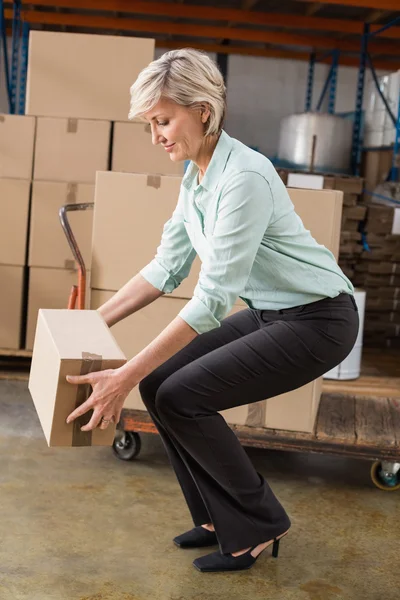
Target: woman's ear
205 113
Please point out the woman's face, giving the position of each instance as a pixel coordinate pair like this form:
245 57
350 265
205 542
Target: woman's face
179 129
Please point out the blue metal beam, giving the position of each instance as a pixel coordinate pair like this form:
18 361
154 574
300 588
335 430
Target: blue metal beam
356 143
325 88
384 27
16 36
3 44
332 87
394 171
375 78
310 82
24 68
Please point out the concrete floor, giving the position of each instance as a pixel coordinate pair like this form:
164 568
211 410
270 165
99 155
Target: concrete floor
80 524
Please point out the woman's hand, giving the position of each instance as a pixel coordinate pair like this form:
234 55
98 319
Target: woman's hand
109 391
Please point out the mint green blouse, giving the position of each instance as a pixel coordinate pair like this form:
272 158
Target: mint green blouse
241 222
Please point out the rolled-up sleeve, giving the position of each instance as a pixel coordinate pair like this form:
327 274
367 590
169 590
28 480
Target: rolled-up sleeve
244 211
174 255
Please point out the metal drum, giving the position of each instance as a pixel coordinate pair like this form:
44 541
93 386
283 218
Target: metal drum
316 141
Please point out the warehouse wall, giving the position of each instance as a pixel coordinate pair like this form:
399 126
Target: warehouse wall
261 91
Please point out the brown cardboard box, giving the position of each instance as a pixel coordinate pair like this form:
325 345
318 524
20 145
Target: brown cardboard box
355 212
124 238
321 213
134 152
71 149
48 244
375 167
49 288
11 286
83 75
70 342
17 134
14 210
348 185
295 410
383 218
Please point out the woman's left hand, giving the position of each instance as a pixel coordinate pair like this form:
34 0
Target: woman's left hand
109 391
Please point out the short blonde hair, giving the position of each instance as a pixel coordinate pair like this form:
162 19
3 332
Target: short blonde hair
186 76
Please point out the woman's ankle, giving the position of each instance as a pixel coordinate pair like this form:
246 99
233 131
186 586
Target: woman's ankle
209 526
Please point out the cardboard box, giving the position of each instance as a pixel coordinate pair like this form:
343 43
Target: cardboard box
69 74
348 185
321 213
71 149
17 134
134 152
383 218
11 286
14 209
49 288
294 411
70 342
48 245
125 239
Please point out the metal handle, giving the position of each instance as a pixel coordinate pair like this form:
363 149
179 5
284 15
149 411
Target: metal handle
80 293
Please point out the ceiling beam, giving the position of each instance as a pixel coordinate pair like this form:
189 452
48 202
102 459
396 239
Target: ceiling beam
313 9
382 4
217 14
377 15
274 53
267 53
204 31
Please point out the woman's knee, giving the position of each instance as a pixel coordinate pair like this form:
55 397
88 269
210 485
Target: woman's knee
148 388
173 398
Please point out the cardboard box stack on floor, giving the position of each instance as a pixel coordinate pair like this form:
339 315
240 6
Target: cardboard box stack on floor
69 91
354 210
117 258
378 272
16 160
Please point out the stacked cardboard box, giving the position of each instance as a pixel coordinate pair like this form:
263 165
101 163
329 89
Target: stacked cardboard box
16 159
353 212
68 89
378 272
116 260
68 152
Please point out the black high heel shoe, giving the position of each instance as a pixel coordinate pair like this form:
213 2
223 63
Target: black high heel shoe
198 537
218 561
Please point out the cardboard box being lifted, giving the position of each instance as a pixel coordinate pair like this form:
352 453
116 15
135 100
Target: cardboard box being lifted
70 342
17 135
48 245
83 75
134 152
71 149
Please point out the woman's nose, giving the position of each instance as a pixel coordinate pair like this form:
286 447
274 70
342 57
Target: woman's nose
156 138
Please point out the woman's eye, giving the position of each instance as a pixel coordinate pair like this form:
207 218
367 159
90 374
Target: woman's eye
162 124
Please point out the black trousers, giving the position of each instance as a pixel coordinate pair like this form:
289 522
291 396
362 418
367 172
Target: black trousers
254 355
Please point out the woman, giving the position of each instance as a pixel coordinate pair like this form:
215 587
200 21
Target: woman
301 321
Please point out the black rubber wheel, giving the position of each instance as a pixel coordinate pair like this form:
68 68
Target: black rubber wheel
127 447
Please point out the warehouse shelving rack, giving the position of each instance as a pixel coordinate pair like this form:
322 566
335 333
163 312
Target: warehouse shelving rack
366 61
15 67
331 83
